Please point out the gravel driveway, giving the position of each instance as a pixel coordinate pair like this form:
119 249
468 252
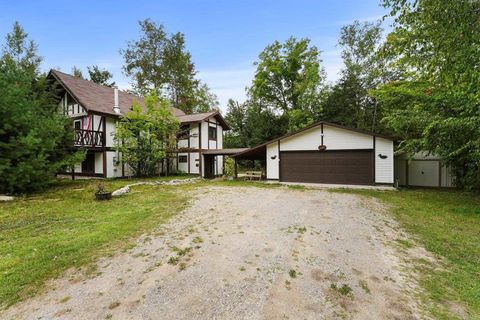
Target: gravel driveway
247 253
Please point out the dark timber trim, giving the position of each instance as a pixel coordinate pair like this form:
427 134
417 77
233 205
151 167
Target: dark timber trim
216 147
104 146
321 130
339 150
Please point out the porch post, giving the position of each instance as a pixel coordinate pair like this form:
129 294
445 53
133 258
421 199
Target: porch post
236 168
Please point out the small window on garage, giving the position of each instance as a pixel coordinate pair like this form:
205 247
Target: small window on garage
212 133
182 159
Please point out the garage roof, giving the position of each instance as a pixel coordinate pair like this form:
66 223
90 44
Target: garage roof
224 152
259 151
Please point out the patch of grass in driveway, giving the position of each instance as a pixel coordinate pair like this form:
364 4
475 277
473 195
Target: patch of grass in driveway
43 235
256 183
446 223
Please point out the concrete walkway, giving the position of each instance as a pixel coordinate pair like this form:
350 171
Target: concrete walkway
334 186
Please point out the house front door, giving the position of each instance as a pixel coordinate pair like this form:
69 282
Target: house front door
88 165
209 161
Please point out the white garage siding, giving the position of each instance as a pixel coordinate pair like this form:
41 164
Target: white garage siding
333 138
342 139
383 167
273 164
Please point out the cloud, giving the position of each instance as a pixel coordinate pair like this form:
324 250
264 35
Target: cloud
228 83
231 83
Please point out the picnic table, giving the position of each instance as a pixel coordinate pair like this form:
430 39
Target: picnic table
253 175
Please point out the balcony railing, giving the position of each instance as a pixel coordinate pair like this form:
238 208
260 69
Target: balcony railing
89 138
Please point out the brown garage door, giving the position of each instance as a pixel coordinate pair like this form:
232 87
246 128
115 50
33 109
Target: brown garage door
341 167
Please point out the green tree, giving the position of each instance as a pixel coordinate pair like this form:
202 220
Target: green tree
160 62
204 99
145 139
100 76
34 136
252 124
263 124
289 79
76 72
435 105
348 102
236 117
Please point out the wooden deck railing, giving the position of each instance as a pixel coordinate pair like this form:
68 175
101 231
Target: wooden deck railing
89 138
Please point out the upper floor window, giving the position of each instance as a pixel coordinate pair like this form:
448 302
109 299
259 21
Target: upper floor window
77 124
184 132
212 133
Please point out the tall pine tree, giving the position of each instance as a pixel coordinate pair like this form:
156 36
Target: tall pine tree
34 136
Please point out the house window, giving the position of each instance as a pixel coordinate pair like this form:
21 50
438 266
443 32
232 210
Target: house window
212 133
184 132
77 124
182 159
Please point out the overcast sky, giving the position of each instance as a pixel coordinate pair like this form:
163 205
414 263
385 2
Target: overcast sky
224 37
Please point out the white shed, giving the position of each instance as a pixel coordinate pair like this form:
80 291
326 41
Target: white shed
422 170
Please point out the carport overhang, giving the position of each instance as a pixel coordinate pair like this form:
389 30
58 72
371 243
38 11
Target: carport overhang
224 152
255 153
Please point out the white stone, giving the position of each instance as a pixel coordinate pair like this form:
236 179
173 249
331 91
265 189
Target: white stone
6 198
121 191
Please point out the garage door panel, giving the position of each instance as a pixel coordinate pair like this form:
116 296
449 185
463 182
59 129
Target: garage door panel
342 167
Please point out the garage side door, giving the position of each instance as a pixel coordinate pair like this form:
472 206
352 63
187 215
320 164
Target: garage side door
339 167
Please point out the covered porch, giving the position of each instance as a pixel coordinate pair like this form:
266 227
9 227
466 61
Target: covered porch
255 154
210 159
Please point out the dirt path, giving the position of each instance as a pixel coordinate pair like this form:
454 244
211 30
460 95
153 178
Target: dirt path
247 253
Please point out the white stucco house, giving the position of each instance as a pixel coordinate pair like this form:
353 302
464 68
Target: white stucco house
94 109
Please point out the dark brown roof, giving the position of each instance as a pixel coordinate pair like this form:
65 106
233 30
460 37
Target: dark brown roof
230 151
198 117
258 151
98 98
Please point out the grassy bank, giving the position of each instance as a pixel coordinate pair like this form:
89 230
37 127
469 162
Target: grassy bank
45 234
446 223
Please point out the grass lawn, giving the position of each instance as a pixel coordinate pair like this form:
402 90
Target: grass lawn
446 223
43 235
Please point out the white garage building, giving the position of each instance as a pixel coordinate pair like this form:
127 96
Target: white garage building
327 153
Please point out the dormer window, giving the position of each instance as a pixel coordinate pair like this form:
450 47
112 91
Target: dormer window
212 133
